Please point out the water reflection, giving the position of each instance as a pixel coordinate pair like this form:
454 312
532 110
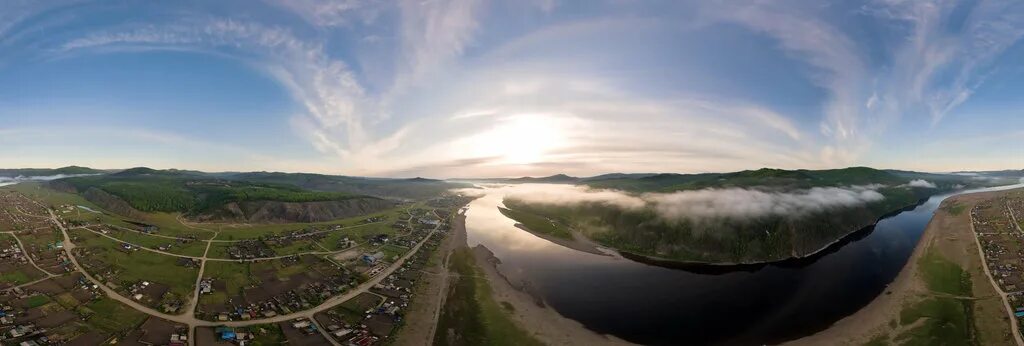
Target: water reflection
655 305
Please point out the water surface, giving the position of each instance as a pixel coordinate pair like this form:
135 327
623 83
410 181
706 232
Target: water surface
654 305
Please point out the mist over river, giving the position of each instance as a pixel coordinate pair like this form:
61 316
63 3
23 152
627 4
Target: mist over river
654 305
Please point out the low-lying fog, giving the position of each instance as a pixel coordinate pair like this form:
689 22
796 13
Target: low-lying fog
704 203
4 181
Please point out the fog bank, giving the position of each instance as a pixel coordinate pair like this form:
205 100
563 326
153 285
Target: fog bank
700 204
4 181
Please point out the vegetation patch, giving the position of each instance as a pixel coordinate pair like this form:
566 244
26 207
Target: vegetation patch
537 223
470 315
944 276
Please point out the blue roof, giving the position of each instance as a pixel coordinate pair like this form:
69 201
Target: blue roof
228 335
1019 313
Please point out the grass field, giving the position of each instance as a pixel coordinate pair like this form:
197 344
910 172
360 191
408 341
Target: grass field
17 274
240 232
470 316
537 223
939 319
392 251
111 316
139 265
362 302
193 248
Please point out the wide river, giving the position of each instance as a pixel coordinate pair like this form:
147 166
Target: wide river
654 305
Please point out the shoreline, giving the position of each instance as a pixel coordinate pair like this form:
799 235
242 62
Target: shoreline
529 310
946 234
722 267
576 243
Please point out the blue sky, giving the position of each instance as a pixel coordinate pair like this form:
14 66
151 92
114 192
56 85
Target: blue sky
459 88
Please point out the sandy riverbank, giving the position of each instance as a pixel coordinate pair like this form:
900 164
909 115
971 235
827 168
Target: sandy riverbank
545 324
949 235
578 243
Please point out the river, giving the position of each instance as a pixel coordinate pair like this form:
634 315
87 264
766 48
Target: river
654 305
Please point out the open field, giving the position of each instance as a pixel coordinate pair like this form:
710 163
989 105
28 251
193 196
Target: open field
15 269
268 288
537 223
185 247
164 282
470 315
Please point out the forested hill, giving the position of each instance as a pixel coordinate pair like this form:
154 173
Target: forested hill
48 172
739 237
201 196
415 188
771 178
765 177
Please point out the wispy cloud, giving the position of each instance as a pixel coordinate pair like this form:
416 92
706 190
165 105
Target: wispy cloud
948 48
416 87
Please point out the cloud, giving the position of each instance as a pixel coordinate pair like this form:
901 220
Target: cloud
749 203
948 48
705 203
921 183
326 13
337 107
433 32
836 56
572 195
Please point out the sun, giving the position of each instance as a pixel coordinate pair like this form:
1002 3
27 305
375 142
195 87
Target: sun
520 139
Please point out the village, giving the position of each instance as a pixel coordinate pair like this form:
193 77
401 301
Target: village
996 224
347 285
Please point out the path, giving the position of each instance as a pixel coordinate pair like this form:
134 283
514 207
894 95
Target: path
205 258
29 256
1006 303
193 322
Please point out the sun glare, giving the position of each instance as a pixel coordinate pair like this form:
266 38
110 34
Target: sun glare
520 139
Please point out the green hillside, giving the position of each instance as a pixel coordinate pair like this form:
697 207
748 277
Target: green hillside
150 190
43 172
765 177
734 240
415 188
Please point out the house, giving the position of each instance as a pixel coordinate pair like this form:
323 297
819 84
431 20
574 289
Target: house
226 333
372 258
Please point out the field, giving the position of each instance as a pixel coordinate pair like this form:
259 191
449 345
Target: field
107 261
185 247
71 312
537 223
15 270
470 315
940 318
311 279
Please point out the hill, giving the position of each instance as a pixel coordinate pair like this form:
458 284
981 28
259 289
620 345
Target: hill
743 237
411 189
48 172
202 197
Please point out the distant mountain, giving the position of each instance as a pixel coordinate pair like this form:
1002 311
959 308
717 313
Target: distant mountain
46 172
764 177
1009 173
557 178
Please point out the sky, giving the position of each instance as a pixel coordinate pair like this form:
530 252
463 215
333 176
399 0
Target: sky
477 88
